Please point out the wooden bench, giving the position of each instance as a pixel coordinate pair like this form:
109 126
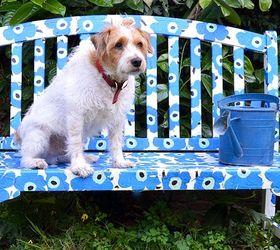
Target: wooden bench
174 162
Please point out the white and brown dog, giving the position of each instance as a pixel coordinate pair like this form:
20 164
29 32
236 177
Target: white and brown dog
79 102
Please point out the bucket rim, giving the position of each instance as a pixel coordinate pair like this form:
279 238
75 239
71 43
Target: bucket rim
249 97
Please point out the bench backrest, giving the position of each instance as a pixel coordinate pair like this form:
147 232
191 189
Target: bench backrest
215 35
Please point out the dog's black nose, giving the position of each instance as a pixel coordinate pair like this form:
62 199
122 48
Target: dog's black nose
136 62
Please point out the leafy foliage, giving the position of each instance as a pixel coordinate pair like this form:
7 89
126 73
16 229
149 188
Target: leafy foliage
121 221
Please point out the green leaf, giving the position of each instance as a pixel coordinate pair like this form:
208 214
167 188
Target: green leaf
248 4
234 4
259 73
204 3
9 6
250 78
162 92
137 5
23 13
54 7
206 62
207 83
249 68
8 17
38 2
162 62
265 5
148 2
228 65
102 3
229 13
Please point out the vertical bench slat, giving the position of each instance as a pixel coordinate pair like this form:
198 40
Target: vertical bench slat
62 52
39 67
217 79
16 86
238 58
195 87
173 80
151 85
271 74
271 64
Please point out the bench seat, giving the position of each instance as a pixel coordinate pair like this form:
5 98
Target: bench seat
153 171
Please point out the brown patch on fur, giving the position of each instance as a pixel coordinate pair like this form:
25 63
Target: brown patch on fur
147 39
127 22
105 44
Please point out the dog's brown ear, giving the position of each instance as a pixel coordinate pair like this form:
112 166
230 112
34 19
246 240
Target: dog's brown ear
100 40
147 37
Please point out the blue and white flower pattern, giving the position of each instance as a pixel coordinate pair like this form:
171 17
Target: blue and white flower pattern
154 170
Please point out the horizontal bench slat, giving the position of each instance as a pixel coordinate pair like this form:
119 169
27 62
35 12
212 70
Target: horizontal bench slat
153 171
132 143
161 25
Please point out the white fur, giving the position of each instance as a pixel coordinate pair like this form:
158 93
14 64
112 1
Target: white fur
78 105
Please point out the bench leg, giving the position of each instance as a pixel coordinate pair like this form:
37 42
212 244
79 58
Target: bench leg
269 200
269 203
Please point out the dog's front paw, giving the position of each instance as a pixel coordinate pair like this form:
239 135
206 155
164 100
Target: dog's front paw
82 169
34 163
123 164
91 158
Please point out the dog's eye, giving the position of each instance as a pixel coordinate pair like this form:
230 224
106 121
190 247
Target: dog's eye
118 45
140 45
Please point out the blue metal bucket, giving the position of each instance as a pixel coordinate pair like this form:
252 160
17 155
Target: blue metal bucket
247 129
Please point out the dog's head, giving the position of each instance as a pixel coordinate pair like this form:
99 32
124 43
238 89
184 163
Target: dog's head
122 49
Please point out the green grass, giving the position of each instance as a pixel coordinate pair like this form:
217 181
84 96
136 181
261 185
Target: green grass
122 220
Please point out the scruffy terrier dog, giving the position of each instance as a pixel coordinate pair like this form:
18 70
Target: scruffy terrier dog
79 102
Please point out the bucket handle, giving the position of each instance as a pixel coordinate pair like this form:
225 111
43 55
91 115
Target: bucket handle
222 125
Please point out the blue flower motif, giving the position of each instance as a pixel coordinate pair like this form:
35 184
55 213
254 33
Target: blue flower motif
136 143
244 177
274 177
85 25
20 32
59 26
139 179
30 180
212 31
175 180
174 27
57 181
12 162
250 40
7 179
100 180
152 119
209 180
169 143
199 143
4 195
